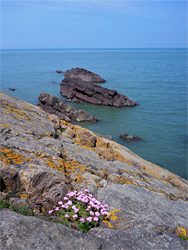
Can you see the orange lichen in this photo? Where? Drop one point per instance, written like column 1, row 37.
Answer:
column 8, row 156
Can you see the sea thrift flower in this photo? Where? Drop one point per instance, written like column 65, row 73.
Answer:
column 65, row 199
column 69, row 203
column 66, row 216
column 91, row 213
column 50, row 212
column 95, row 218
column 89, row 219
column 57, row 208
column 87, row 191
column 60, row 203
column 97, row 213
column 73, row 207
column 75, row 216
column 76, row 210
column 82, row 220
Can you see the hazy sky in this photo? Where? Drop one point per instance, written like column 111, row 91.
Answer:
column 93, row 24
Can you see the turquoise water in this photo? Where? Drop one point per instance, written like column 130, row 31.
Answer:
column 154, row 78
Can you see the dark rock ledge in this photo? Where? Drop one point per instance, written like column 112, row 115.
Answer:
column 75, row 87
column 53, row 105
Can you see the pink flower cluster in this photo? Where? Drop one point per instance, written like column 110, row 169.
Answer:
column 74, row 201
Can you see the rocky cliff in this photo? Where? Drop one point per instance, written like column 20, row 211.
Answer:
column 41, row 161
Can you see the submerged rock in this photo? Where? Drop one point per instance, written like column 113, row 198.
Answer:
column 84, row 74
column 129, row 138
column 53, row 105
column 73, row 87
column 59, row 71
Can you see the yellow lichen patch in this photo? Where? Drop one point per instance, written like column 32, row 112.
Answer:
column 10, row 157
column 4, row 125
column 113, row 218
column 23, row 195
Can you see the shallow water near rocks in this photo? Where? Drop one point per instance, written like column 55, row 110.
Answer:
column 154, row 78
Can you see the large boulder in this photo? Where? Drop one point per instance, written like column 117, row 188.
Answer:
column 84, row 74
column 53, row 105
column 73, row 87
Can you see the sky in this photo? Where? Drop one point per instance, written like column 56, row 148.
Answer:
column 93, row 24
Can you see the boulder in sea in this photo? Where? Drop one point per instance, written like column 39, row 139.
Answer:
column 12, row 89
column 129, row 138
column 59, row 71
column 74, row 87
column 84, row 74
column 53, row 105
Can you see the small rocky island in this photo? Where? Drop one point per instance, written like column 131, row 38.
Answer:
column 80, row 86
column 147, row 204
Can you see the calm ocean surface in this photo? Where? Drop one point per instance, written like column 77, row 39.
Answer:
column 154, row 78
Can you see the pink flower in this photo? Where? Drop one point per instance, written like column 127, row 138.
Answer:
column 57, row 208
column 75, row 216
column 63, row 206
column 91, row 213
column 82, row 220
column 66, row 216
column 65, row 199
column 50, row 212
column 105, row 205
column 4, row 201
column 76, row 210
column 89, row 219
column 69, row 203
column 73, row 207
column 95, row 218
column 87, row 191
column 97, row 213
column 60, row 203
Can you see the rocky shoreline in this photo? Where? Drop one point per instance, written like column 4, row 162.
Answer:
column 44, row 157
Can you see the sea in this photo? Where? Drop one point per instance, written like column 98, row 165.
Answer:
column 154, row 78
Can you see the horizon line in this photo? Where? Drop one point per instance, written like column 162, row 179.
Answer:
column 94, row 48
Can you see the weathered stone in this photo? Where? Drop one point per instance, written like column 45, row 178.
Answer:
column 129, row 138
column 20, row 232
column 84, row 74
column 53, row 105
column 72, row 87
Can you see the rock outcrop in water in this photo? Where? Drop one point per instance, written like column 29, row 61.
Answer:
column 53, row 105
column 129, row 138
column 84, row 75
column 73, row 87
column 146, row 203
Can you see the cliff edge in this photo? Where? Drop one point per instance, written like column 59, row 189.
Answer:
column 43, row 157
